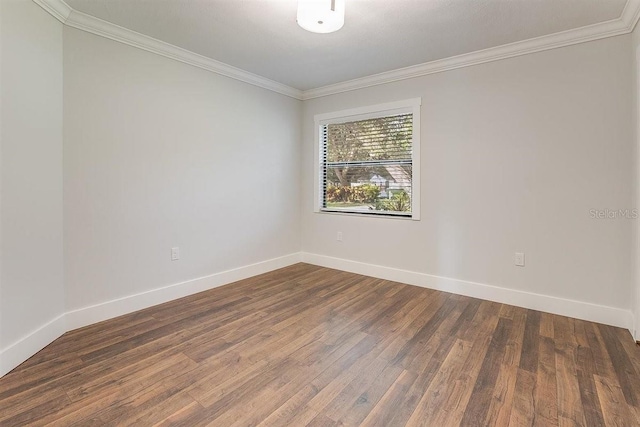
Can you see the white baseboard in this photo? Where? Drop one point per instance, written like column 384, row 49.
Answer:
column 26, row 347
column 565, row 307
column 117, row 307
column 32, row 343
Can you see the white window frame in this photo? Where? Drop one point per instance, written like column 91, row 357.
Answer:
column 363, row 113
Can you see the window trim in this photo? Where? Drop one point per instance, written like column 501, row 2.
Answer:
column 362, row 113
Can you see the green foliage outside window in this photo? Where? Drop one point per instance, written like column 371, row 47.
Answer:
column 367, row 193
column 399, row 202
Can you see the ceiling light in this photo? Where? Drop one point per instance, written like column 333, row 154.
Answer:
column 321, row 16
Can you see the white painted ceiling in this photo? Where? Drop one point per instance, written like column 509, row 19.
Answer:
column 262, row 37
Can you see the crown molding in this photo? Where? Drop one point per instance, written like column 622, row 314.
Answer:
column 631, row 14
column 82, row 21
column 73, row 18
column 623, row 25
column 57, row 8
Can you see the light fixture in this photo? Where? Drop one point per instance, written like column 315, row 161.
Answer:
column 321, row 16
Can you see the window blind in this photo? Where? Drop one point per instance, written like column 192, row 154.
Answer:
column 367, row 165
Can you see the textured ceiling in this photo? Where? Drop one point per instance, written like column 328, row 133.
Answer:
column 261, row 36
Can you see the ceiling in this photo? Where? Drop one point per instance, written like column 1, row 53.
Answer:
column 262, row 37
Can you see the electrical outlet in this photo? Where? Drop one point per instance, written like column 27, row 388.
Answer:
column 175, row 254
column 519, row 258
column 339, row 236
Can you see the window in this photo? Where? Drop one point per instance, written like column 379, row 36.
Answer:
column 368, row 160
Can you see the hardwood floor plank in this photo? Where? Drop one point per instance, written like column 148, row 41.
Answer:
column 397, row 350
column 356, row 400
column 179, row 417
column 502, row 398
column 292, row 407
column 614, row 408
column 415, row 347
column 481, row 396
column 625, row 371
column 120, row 392
column 310, row 360
column 341, row 356
column 546, row 325
column 25, row 417
column 524, row 409
column 384, row 411
column 628, row 343
column 499, row 411
column 588, row 391
column 21, row 382
column 436, row 393
column 529, row 358
column 546, row 396
column 570, row 409
column 306, row 417
column 330, row 390
column 322, row 420
column 30, row 402
column 149, row 407
column 431, row 363
column 456, row 401
column 603, row 364
column 161, row 364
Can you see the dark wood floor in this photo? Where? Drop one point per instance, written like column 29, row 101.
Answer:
column 307, row 345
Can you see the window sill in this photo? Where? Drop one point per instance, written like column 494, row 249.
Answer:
column 368, row 215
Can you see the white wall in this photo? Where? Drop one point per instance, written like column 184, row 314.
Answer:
column 515, row 153
column 31, row 248
column 158, row 154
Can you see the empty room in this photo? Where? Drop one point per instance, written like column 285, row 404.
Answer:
column 319, row 213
